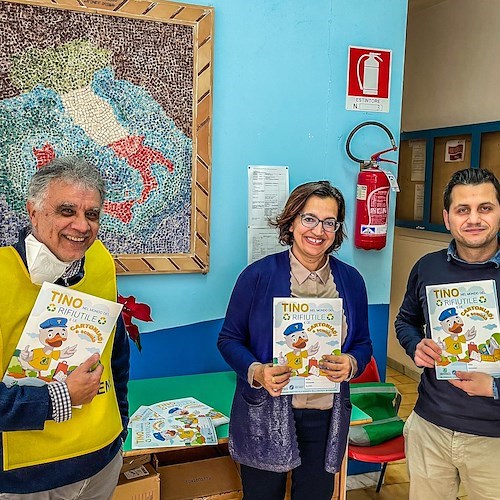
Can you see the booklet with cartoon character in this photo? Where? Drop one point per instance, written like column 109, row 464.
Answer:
column 305, row 329
column 465, row 323
column 65, row 327
column 142, row 414
column 183, row 409
column 169, row 431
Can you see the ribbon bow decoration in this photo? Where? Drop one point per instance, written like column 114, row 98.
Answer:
column 134, row 310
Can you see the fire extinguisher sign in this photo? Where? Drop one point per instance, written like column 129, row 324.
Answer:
column 368, row 79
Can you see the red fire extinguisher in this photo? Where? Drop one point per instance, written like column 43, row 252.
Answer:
column 372, row 196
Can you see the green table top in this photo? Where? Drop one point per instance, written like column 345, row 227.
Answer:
column 213, row 389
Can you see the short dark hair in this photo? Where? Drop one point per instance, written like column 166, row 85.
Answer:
column 296, row 202
column 70, row 169
column 469, row 176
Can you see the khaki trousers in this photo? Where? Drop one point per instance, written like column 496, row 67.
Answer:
column 439, row 459
column 98, row 487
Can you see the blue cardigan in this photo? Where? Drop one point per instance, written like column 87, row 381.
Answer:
column 261, row 431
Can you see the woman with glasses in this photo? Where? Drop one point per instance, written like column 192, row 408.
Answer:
column 270, row 434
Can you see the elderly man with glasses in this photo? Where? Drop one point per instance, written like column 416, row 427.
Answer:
column 62, row 439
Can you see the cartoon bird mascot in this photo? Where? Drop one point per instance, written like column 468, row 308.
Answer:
column 296, row 339
column 52, row 334
column 452, row 324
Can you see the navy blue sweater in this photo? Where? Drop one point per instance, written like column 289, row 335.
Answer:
column 29, row 407
column 438, row 401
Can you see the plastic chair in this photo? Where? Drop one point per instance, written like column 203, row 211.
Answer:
column 370, row 373
column 391, row 450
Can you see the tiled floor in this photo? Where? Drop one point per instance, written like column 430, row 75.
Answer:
column 396, row 483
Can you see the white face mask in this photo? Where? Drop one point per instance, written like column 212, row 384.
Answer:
column 43, row 265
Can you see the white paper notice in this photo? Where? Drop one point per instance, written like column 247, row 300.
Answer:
column 417, row 161
column 264, row 241
column 268, row 189
column 418, row 204
column 267, row 193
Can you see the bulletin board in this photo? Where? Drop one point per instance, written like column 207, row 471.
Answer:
column 490, row 152
column 442, row 171
column 127, row 85
column 428, row 158
column 405, row 201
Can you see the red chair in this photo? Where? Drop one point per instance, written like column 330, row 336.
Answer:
column 391, row 450
column 370, row 373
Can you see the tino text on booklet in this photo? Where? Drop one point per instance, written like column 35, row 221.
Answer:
column 464, row 322
column 65, row 327
column 305, row 329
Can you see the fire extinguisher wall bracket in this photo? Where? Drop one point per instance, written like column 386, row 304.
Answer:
column 372, row 195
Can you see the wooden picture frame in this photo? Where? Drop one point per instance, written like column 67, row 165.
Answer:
column 146, row 25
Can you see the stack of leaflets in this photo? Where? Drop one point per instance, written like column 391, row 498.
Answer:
column 169, row 431
column 305, row 329
column 465, row 323
column 65, row 327
column 177, row 422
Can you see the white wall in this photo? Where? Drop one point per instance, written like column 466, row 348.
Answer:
column 452, row 73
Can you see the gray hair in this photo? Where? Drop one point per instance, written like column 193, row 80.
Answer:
column 70, row 169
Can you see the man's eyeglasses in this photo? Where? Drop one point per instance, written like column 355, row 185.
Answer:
column 329, row 225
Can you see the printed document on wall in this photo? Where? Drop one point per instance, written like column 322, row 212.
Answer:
column 268, row 188
column 418, row 151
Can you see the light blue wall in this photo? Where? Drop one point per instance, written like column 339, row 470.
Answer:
column 279, row 99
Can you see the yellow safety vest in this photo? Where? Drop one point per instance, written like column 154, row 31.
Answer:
column 94, row 425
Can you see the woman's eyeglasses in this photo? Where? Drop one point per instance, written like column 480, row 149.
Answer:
column 329, row 225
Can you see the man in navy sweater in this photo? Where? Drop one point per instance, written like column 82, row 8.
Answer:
column 453, row 435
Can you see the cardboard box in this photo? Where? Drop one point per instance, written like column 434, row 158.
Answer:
column 142, row 483
column 188, row 454
column 134, row 462
column 213, row 478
